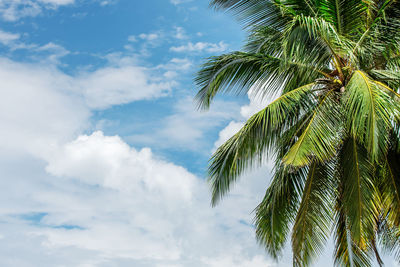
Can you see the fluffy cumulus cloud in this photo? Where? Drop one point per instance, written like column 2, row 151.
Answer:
column 92, row 200
column 43, row 103
column 111, row 163
column 104, row 203
column 226, row 133
column 38, row 107
column 121, row 84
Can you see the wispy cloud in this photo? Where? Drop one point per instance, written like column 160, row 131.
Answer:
column 200, row 47
column 178, row 2
column 16, row 9
column 6, row 37
column 180, row 33
column 186, row 128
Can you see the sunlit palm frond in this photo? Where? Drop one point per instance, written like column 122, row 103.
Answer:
column 370, row 110
column 336, row 65
column 321, row 136
column 249, row 145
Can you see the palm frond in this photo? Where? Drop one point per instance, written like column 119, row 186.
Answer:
column 356, row 174
column 321, row 135
column 345, row 15
column 370, row 113
column 391, row 176
column 347, row 253
column 278, row 209
column 238, row 72
column 249, row 145
column 314, row 218
column 256, row 13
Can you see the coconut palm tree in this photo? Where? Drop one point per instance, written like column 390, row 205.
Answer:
column 333, row 130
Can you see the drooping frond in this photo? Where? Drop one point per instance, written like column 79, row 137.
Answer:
column 277, row 211
column 239, row 72
column 356, row 181
column 264, row 40
column 369, row 110
column 347, row 253
column 236, row 72
column 249, row 145
column 314, row 218
column 390, row 77
column 391, row 176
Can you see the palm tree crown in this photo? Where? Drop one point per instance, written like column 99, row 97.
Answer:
column 334, row 130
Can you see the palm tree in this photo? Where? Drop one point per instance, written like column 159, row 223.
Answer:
column 334, row 130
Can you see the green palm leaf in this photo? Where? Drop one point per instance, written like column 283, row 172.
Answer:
column 347, row 253
column 356, row 174
column 320, row 137
column 238, row 72
column 251, row 142
column 391, row 177
column 370, row 110
column 278, row 209
column 336, row 65
column 314, row 218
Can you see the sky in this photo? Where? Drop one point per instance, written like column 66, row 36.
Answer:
column 103, row 154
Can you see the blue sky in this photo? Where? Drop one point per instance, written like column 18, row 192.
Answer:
column 102, row 151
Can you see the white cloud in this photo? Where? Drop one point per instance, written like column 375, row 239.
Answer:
column 178, row 2
column 122, row 84
column 49, row 53
column 177, row 64
column 200, row 47
column 186, row 127
column 113, row 205
column 232, row 128
column 108, row 2
column 109, row 162
column 230, row 261
column 156, row 211
column 175, row 67
column 57, row 2
column 132, row 38
column 149, row 36
column 38, row 107
column 180, row 33
column 7, row 37
column 13, row 10
column 146, row 41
